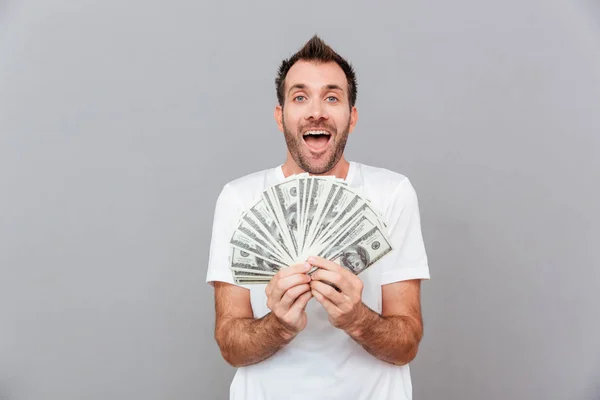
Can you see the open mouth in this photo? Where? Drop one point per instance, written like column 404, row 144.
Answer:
column 316, row 140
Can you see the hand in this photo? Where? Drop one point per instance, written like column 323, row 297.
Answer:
column 288, row 293
column 345, row 307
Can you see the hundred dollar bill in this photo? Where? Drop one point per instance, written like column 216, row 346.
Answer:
column 243, row 242
column 305, row 196
column 364, row 251
column 347, row 218
column 286, row 198
column 357, row 229
column 326, row 198
column 259, row 229
column 336, row 219
column 250, row 227
column 250, row 276
column 301, row 190
column 343, row 202
column 242, row 270
column 267, row 220
column 261, row 273
column 246, row 281
column 317, row 187
column 272, row 204
column 359, row 191
column 243, row 261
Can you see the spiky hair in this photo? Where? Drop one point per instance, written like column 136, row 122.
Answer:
column 316, row 50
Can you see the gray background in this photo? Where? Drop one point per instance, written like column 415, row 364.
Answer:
column 120, row 122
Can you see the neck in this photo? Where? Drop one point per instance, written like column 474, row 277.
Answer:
column 340, row 169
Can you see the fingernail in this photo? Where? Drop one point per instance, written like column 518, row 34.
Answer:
column 312, row 259
column 306, row 266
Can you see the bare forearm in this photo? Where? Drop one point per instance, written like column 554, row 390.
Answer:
column 394, row 339
column 246, row 341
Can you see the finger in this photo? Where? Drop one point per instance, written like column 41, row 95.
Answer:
column 326, row 264
column 327, row 305
column 290, row 296
column 282, row 273
column 283, row 284
column 270, row 285
column 331, row 277
column 328, row 292
column 293, row 269
column 300, row 303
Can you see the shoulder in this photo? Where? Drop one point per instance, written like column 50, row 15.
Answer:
column 383, row 179
column 389, row 191
column 246, row 187
column 250, row 181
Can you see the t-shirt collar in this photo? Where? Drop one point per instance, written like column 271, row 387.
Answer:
column 349, row 177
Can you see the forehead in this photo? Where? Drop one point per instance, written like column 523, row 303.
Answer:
column 316, row 75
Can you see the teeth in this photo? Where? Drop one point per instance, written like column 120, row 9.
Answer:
column 315, row 133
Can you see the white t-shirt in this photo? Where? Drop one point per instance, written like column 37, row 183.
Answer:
column 323, row 362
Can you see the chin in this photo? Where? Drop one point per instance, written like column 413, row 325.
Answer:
column 318, row 169
column 315, row 164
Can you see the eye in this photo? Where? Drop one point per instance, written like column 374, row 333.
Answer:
column 299, row 98
column 332, row 99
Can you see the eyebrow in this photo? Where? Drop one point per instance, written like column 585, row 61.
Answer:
column 303, row 86
column 335, row 87
column 297, row 86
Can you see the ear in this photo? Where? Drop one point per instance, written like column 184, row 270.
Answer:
column 353, row 119
column 279, row 117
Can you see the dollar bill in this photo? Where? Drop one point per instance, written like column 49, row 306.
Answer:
column 249, row 281
column 347, row 236
column 244, row 242
column 327, row 196
column 286, row 198
column 302, row 216
column 250, row 227
column 364, row 251
column 316, row 189
column 272, row 204
column 344, row 201
column 268, row 221
column 301, row 192
column 347, row 218
column 240, row 277
column 243, row 261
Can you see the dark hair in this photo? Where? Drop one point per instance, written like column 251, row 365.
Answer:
column 316, row 50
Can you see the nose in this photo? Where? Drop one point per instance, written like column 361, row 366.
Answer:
column 317, row 110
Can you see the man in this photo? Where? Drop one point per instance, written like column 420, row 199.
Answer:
column 298, row 337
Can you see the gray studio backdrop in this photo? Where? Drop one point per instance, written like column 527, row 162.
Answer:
column 120, row 122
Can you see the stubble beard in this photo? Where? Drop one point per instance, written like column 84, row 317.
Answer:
column 294, row 143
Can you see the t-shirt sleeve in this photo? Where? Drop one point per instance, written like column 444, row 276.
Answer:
column 408, row 259
column 227, row 212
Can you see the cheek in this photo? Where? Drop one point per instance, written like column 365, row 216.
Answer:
column 291, row 117
column 341, row 117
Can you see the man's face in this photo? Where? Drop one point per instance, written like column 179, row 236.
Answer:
column 316, row 117
column 354, row 262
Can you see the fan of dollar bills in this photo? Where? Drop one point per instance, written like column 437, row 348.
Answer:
column 303, row 216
